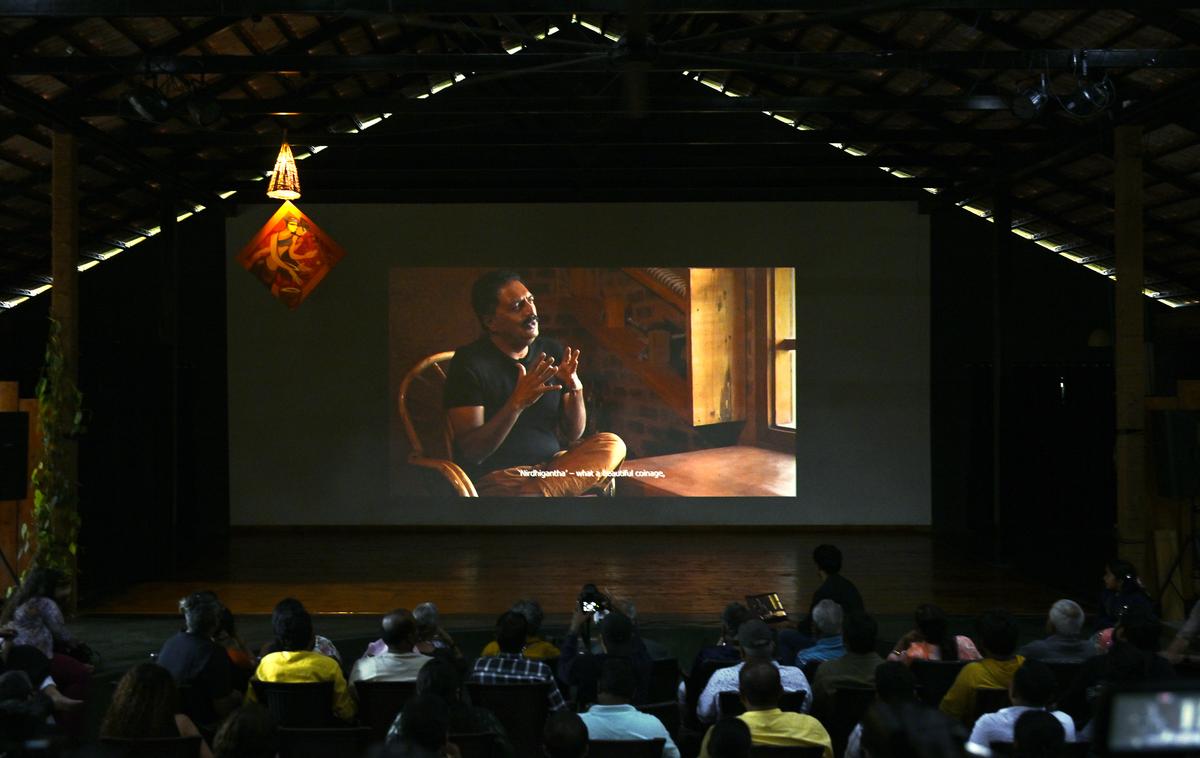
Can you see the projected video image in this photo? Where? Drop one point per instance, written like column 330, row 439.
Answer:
column 630, row 382
column 1155, row 721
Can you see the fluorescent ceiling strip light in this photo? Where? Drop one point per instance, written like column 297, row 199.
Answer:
column 89, row 264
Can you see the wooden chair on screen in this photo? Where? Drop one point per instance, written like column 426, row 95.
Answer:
column 428, row 429
column 425, row 422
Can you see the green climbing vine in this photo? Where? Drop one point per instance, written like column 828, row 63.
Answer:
column 55, row 491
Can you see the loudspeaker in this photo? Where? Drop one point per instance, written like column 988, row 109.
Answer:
column 1177, row 453
column 14, row 455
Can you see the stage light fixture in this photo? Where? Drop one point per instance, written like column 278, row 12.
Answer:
column 285, row 179
column 1029, row 102
column 1090, row 98
column 148, row 104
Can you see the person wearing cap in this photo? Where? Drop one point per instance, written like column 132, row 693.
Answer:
column 759, row 688
column 580, row 668
column 758, row 645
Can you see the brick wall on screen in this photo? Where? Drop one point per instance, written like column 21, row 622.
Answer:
column 617, row 398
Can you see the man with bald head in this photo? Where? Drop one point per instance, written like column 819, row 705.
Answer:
column 399, row 663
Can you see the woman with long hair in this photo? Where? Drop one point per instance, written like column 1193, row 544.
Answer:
column 931, row 640
column 1122, row 591
column 145, row 706
column 34, row 614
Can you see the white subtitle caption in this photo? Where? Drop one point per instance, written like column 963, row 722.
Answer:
column 553, row 473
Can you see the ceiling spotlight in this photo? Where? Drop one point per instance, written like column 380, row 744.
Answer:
column 148, row 104
column 1029, row 102
column 1090, row 98
column 203, row 110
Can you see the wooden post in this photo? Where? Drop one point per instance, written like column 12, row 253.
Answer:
column 64, row 262
column 1001, row 359
column 1129, row 349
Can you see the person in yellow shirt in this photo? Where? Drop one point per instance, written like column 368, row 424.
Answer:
column 760, row 689
column 536, row 648
column 295, row 660
column 997, row 633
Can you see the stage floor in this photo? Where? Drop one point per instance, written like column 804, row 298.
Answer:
column 682, row 576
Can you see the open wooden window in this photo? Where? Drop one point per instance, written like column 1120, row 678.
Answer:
column 781, row 383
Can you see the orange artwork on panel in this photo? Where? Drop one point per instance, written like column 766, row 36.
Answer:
column 290, row 255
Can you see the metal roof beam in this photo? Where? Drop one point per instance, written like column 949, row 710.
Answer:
column 144, row 8
column 875, row 60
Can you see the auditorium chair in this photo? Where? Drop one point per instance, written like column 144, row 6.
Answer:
column 849, row 705
column 794, row 751
column 323, row 742
column 934, row 678
column 521, row 708
column 379, row 702
column 626, row 748
column 730, row 703
column 695, row 686
column 667, row 712
column 157, row 747
column 990, row 700
column 304, row 704
column 664, row 680
column 1069, row 749
column 475, row 744
column 430, row 436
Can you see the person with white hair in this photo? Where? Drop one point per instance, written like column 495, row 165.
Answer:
column 431, row 637
column 827, row 623
column 1065, row 643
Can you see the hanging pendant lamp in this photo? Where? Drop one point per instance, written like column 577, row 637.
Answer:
column 285, row 180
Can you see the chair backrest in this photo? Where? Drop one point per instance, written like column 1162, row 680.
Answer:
column 476, row 744
column 667, row 712
column 796, row 751
column 159, row 747
column 990, row 700
column 341, row 741
column 934, row 678
column 380, row 702
column 1064, row 675
column 730, row 703
column 293, row 704
column 1069, row 749
column 696, row 685
column 849, row 705
column 664, row 680
column 626, row 748
column 424, row 418
column 521, row 708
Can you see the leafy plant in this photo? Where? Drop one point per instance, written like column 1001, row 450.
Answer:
column 55, row 491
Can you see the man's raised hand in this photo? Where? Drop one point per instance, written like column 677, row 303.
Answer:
column 531, row 385
column 569, row 368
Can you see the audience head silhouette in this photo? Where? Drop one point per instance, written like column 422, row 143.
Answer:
column 248, row 732
column 399, row 631
column 143, row 705
column 564, row 736
column 292, row 625
column 1033, row 685
column 1038, row 734
column 760, row 686
column 617, row 682
column 828, row 559
column 729, row 738
column 756, row 640
column 860, row 632
column 998, row 633
column 511, row 632
column 201, row 613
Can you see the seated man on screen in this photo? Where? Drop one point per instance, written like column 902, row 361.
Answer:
column 514, row 398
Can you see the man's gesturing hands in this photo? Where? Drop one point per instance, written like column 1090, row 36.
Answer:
column 531, row 385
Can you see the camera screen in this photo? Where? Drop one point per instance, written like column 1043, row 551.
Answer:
column 1154, row 721
column 589, row 606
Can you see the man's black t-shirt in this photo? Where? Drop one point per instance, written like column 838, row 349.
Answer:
column 481, row 374
column 202, row 664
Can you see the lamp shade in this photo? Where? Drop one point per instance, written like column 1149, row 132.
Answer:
column 285, row 180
